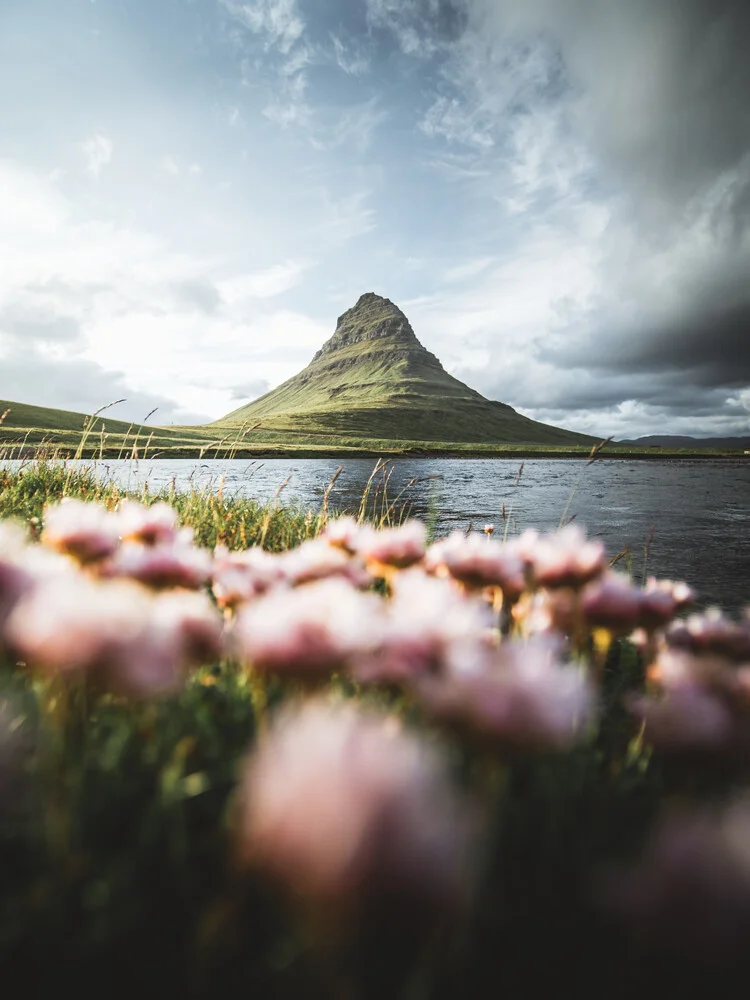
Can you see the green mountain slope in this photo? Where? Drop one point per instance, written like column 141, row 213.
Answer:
column 374, row 380
column 23, row 424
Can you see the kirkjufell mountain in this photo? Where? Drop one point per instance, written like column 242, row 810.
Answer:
column 373, row 379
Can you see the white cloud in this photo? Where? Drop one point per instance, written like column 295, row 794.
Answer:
column 279, row 21
column 263, row 284
column 98, row 153
column 345, row 218
column 470, row 269
column 451, row 119
column 350, row 56
column 169, row 165
column 91, row 311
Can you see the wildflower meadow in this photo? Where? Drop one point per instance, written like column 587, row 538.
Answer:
column 248, row 750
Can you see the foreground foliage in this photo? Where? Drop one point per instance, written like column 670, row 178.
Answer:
column 251, row 751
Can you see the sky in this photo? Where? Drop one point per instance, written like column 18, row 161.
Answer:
column 555, row 192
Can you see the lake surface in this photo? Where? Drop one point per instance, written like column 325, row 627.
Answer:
column 697, row 513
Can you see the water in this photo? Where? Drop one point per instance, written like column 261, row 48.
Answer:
column 697, row 513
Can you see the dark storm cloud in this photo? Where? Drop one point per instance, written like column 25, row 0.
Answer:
column 662, row 101
column 713, row 348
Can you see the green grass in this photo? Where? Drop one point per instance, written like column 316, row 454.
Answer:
column 234, row 521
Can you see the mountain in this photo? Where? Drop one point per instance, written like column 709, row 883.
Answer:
column 682, row 441
column 373, row 379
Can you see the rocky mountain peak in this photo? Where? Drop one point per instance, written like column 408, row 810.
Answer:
column 372, row 318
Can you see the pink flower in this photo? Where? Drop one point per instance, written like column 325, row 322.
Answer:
column 86, row 531
column 343, row 808
column 316, row 560
column 172, row 564
column 242, row 576
column 661, row 600
column 394, row 548
column 478, row 562
column 132, row 642
column 307, row 632
column 343, row 533
column 151, row 525
column 73, row 624
column 612, row 602
column 687, row 717
column 712, row 632
column 192, row 622
column 565, row 559
column 427, row 625
column 524, row 700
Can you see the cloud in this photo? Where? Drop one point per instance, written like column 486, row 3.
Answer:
column 350, row 56
column 615, row 141
column 97, row 151
column 247, row 391
column 421, row 27
column 279, row 21
column 263, row 284
column 91, row 311
column 448, row 118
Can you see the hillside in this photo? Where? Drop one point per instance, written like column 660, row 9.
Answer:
column 374, row 380
column 26, row 425
column 694, row 443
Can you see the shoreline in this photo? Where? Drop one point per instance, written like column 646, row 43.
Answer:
column 246, row 454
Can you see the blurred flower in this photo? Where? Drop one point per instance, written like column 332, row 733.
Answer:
column 86, row 531
column 661, row 600
column 15, row 580
column 564, row 559
column 392, row 548
column 151, row 525
column 525, row 700
column 478, row 562
column 427, row 625
column 344, row 809
column 316, row 560
column 686, row 717
column 544, row 612
column 688, row 897
column 307, row 632
column 177, row 563
column 115, row 630
column 343, row 533
column 489, row 529
column 241, row 576
column 192, row 622
column 712, row 632
column 72, row 623
column 612, row 602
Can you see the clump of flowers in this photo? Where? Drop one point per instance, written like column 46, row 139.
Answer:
column 344, row 809
column 86, row 531
column 522, row 697
column 307, row 633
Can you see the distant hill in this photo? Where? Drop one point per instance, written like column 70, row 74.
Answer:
column 681, row 441
column 24, row 415
column 24, row 426
column 373, row 379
